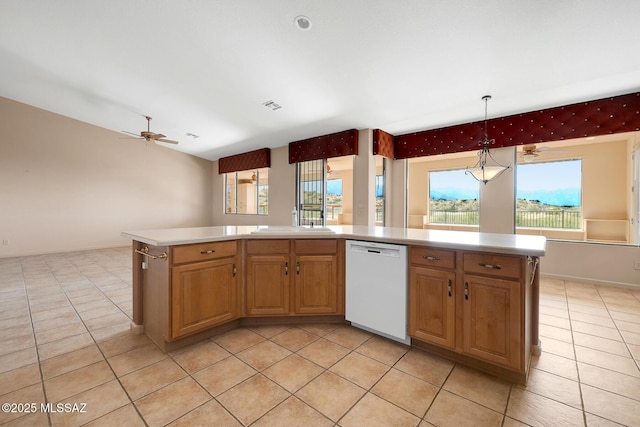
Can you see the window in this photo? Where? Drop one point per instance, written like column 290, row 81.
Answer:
column 247, row 192
column 324, row 191
column 334, row 198
column 548, row 195
column 380, row 190
column 453, row 198
column 311, row 192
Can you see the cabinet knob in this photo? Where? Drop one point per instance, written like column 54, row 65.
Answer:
column 431, row 257
column 235, row 270
column 449, row 287
column 298, row 267
column 286, row 268
column 210, row 251
column 466, row 290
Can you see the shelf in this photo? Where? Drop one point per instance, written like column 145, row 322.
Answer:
column 606, row 230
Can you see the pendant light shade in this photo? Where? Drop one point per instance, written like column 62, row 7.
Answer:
column 484, row 171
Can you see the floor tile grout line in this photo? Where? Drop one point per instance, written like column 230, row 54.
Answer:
column 104, row 358
column 44, row 390
column 575, row 355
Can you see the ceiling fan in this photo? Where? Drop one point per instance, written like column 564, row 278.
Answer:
column 530, row 152
column 149, row 136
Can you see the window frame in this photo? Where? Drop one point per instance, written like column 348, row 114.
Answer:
column 233, row 189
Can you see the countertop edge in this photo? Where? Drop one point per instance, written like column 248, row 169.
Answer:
column 222, row 233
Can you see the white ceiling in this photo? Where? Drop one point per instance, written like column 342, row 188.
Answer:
column 206, row 67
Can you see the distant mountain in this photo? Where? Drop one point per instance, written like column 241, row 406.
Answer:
column 454, row 194
column 560, row 197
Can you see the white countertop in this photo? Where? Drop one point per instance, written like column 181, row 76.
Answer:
column 465, row 240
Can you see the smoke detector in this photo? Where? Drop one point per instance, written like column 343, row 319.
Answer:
column 302, row 22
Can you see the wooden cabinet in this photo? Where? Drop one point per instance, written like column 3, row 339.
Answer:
column 492, row 327
column 473, row 304
column 204, row 287
column 317, row 279
column 294, row 277
column 268, row 274
column 432, row 306
column 432, row 282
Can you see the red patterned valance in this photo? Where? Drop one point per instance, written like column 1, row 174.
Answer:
column 241, row 162
column 600, row 117
column 383, row 144
column 323, row 147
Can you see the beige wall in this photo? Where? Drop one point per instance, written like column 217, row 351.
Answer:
column 67, row 185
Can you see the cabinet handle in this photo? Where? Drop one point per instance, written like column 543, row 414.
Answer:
column 298, row 267
column 235, row 270
column 494, row 267
column 210, row 251
column 431, row 258
column 286, row 268
column 449, row 287
column 466, row 290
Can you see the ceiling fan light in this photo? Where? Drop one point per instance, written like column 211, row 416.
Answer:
column 528, row 158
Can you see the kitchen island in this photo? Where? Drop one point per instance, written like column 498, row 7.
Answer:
column 473, row 297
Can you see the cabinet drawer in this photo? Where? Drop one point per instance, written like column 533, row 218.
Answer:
column 493, row 265
column 203, row 251
column 316, row 246
column 276, row 246
column 432, row 257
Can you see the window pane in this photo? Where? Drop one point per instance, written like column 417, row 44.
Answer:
column 263, row 191
column 230, row 190
column 380, row 172
column 247, row 192
column 549, row 195
column 334, row 198
column 453, row 198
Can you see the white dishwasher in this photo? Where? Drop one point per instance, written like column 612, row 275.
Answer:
column 376, row 288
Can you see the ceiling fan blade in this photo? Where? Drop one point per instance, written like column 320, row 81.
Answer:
column 551, row 150
column 168, row 141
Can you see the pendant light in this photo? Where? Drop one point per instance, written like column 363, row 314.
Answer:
column 483, row 171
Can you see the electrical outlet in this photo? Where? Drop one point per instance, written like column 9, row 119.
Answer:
column 5, row 242
column 637, row 265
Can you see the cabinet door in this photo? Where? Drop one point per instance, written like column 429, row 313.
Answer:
column 268, row 284
column 432, row 306
column 203, row 295
column 492, row 324
column 316, row 284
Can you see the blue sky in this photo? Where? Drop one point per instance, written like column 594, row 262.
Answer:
column 453, row 179
column 533, row 176
column 549, row 175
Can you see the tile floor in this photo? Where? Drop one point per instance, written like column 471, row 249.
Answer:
column 64, row 338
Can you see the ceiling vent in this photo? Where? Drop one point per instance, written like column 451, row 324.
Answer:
column 272, row 105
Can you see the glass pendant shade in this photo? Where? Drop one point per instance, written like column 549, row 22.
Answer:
column 486, row 173
column 482, row 171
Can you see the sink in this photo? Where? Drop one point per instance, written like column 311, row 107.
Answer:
column 290, row 229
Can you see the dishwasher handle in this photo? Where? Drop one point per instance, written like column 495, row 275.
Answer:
column 376, row 251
